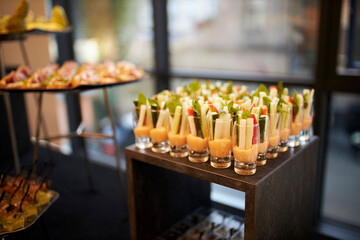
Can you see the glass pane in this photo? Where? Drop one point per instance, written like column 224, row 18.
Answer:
column 258, row 36
column 349, row 49
column 342, row 173
column 123, row 32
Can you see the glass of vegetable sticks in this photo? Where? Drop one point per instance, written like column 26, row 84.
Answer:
column 274, row 136
column 142, row 126
column 220, row 141
column 308, row 115
column 178, row 131
column 197, row 139
column 245, row 144
column 297, row 120
column 159, row 134
column 285, row 127
column 263, row 140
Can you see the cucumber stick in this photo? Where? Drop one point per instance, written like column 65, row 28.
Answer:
column 176, row 121
column 142, row 115
column 213, row 117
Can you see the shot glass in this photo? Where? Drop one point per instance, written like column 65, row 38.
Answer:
column 245, row 146
column 285, row 130
column 220, row 142
column 307, row 123
column 177, row 135
column 141, row 127
column 274, row 138
column 263, row 140
column 198, row 144
column 296, row 126
column 159, row 134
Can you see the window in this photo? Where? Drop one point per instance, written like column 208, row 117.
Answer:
column 123, row 32
column 258, row 37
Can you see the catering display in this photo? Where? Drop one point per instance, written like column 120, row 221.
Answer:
column 71, row 75
column 23, row 200
column 23, row 20
column 222, row 122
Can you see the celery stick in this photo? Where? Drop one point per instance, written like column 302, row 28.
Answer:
column 149, row 120
column 142, row 115
column 183, row 120
column 176, row 121
column 276, row 101
column 273, row 92
column 261, row 95
column 272, row 119
column 218, row 128
column 161, row 119
column 256, row 111
column 286, row 99
column 256, row 101
column 192, row 125
column 249, row 133
column 204, row 126
column 237, row 128
column 226, row 124
column 247, row 104
column 301, row 101
column 286, row 92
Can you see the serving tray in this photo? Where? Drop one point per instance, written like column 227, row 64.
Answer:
column 31, row 220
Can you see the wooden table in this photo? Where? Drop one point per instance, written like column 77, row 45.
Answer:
column 279, row 197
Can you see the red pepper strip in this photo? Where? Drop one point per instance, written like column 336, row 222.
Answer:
column 264, row 111
column 291, row 99
column 213, row 108
column 243, row 109
column 214, row 92
column 254, row 139
column 252, row 107
column 271, row 87
column 209, row 102
column 190, row 112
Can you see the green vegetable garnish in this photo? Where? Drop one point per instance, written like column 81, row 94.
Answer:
column 266, row 102
column 280, row 88
column 295, row 103
column 141, row 99
column 245, row 114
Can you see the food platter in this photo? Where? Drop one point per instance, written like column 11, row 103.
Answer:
column 70, row 89
column 31, row 220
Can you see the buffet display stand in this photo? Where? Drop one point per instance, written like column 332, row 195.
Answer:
column 279, row 197
column 76, row 90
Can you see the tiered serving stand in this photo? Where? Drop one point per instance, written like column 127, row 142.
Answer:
column 20, row 37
